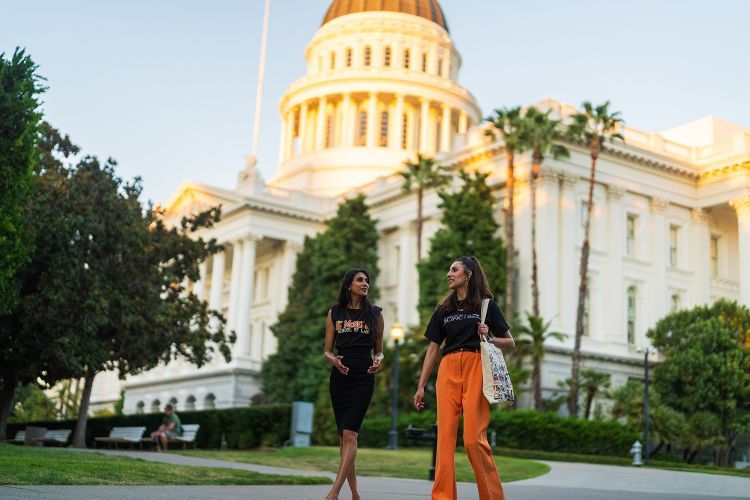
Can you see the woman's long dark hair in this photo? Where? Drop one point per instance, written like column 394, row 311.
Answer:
column 478, row 289
column 345, row 297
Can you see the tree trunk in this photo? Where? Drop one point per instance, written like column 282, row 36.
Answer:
column 656, row 450
column 79, row 436
column 6, row 404
column 536, row 382
column 510, row 253
column 692, row 455
column 534, row 274
column 576, row 369
column 420, row 194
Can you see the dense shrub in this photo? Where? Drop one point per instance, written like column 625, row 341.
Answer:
column 242, row 427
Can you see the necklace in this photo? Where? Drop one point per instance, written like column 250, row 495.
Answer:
column 356, row 317
column 460, row 305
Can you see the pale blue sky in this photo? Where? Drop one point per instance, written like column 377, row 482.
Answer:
column 168, row 87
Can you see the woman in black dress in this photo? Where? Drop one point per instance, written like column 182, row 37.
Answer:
column 356, row 328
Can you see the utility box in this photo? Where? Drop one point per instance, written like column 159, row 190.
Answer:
column 302, row 424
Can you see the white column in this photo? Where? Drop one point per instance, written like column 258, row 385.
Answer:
column 445, row 132
column 742, row 207
column 286, row 272
column 569, row 255
column 700, row 247
column 234, row 284
column 547, row 241
column 424, row 117
column 398, row 122
column 372, row 121
column 615, row 319
column 346, row 127
column 659, row 232
column 217, row 282
column 303, row 128
column 242, row 346
column 200, row 286
column 320, row 132
column 463, row 122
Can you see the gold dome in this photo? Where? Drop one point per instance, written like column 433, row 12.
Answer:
column 428, row 9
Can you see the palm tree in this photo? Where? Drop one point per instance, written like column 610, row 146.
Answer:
column 593, row 382
column 507, row 123
column 531, row 341
column 541, row 136
column 424, row 173
column 593, row 127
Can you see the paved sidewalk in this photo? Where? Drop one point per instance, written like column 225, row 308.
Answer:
column 565, row 481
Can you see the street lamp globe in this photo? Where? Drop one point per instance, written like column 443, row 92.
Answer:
column 397, row 332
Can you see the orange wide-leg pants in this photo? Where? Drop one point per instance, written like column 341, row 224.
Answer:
column 459, row 389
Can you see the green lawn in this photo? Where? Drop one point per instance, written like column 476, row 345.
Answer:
column 27, row 465
column 412, row 463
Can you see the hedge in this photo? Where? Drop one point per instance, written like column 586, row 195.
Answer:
column 247, row 427
column 521, row 429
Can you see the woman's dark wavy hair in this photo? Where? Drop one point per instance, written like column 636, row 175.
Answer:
column 479, row 288
column 368, row 310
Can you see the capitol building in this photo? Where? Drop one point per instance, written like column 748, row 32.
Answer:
column 670, row 227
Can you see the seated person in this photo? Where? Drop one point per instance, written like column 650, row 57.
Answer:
column 170, row 427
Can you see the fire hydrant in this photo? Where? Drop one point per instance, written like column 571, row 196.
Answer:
column 636, row 451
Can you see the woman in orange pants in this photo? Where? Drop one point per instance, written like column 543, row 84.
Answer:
column 456, row 322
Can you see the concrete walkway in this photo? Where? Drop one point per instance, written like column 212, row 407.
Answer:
column 565, row 481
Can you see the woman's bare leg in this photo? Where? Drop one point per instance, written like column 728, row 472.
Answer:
column 346, row 465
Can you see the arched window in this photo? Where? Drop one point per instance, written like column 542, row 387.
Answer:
column 155, row 406
column 383, row 129
column 329, row 131
column 368, row 56
column 631, row 315
column 407, row 58
column 139, row 408
column 424, row 62
column 173, row 402
column 405, row 132
column 675, row 302
column 440, row 67
column 349, row 57
column 333, row 60
column 190, row 403
column 387, row 57
column 209, row 402
column 362, row 129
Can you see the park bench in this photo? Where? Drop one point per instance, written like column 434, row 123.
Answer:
column 189, row 433
column 418, row 434
column 122, row 435
column 57, row 437
column 19, row 439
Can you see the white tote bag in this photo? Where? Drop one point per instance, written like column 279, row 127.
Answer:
column 496, row 383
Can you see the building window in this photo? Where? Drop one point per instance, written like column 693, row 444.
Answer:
column 349, row 57
column 438, row 135
column 675, row 302
column 407, row 58
column 139, row 408
column 155, row 406
column 424, row 62
column 631, row 315
column 630, row 236
column 673, row 237
column 383, row 129
column 387, row 57
column 209, row 402
column 173, row 402
column 405, row 132
column 368, row 56
column 715, row 255
column 329, row 131
column 584, row 210
column 440, row 67
column 333, row 60
column 190, row 403
column 362, row 129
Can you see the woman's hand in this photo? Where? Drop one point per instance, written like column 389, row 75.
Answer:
column 482, row 330
column 376, row 363
column 337, row 362
column 418, row 396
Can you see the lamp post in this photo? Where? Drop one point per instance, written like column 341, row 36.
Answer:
column 397, row 333
column 646, row 447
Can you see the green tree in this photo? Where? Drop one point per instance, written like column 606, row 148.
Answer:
column 349, row 241
column 469, row 228
column 507, row 124
column 541, row 136
column 33, row 405
column 706, row 365
column 593, row 382
column 20, row 89
column 594, row 127
column 420, row 175
column 532, row 336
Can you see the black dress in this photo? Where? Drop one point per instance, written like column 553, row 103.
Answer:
column 351, row 393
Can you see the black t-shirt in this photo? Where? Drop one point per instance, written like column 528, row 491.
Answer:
column 459, row 328
column 352, row 328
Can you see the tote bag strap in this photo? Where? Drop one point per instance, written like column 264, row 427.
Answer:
column 485, row 304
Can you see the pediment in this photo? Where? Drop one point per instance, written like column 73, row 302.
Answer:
column 192, row 198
